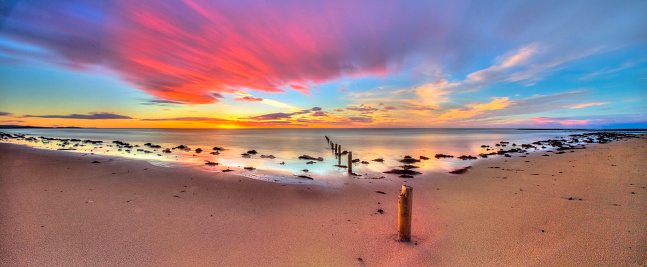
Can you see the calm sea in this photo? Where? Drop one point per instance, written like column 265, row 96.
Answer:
column 286, row 145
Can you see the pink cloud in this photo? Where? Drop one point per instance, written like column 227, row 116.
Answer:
column 248, row 98
column 192, row 51
column 545, row 120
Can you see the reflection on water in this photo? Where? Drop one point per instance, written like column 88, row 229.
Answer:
column 286, row 145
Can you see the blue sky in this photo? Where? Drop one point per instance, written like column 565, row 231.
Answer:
column 206, row 64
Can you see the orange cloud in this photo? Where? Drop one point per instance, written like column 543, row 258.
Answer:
column 472, row 110
column 589, row 104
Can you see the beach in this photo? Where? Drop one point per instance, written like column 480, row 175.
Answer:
column 581, row 208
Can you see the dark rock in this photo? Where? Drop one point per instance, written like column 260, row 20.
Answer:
column 96, row 162
column 438, row 156
column 308, row 157
column 396, row 171
column 407, row 167
column 461, row 171
column 304, row 177
column 409, row 159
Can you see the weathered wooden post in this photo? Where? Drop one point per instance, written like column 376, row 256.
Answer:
column 335, row 152
column 404, row 214
column 339, row 156
column 350, row 161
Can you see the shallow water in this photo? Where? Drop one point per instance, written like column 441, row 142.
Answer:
column 288, row 144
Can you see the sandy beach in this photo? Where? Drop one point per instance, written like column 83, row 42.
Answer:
column 581, row 208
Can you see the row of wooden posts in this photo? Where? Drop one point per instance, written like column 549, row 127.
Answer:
column 405, row 199
column 336, row 150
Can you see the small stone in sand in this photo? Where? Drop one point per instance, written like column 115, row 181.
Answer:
column 96, row 162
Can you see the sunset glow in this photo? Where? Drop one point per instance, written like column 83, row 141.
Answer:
column 241, row 64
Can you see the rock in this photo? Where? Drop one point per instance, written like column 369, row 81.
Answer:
column 438, row 156
column 198, row 150
column 424, row 158
column 268, row 156
column 396, row 171
column 380, row 211
column 406, row 176
column 304, row 176
column 378, row 160
column 409, row 159
column 215, row 153
column 364, row 162
column 470, row 157
column 211, row 163
column 249, row 168
column 252, row 152
column 407, row 167
column 96, row 162
column 305, row 170
column 218, row 148
column 461, row 171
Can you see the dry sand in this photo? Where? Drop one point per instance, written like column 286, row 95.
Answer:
column 586, row 208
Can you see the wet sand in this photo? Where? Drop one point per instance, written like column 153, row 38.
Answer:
column 584, row 208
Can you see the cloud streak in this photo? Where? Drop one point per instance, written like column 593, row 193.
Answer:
column 91, row 116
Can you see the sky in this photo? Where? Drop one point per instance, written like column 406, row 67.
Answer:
column 317, row 64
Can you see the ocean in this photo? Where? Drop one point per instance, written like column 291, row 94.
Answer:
column 286, row 145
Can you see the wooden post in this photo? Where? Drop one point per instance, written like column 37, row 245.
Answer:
column 335, row 150
column 339, row 157
column 404, row 214
column 350, row 161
